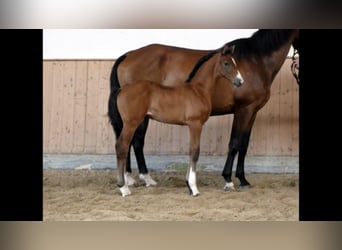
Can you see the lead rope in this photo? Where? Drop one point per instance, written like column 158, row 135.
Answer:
column 293, row 67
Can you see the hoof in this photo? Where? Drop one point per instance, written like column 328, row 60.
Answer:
column 125, row 191
column 129, row 179
column 195, row 195
column 229, row 187
column 148, row 180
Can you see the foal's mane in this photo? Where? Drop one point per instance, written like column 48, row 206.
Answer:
column 262, row 43
column 200, row 62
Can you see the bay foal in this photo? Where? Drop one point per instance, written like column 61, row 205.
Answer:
column 186, row 104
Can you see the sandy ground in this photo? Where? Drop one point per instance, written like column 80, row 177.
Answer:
column 92, row 195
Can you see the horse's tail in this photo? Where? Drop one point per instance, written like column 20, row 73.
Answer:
column 113, row 112
column 114, row 80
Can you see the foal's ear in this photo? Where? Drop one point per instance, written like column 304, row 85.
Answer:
column 228, row 49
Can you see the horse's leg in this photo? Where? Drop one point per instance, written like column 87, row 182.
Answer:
column 240, row 168
column 122, row 149
column 138, row 145
column 195, row 136
column 239, row 139
column 228, row 167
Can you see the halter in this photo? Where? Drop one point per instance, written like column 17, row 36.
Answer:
column 293, row 68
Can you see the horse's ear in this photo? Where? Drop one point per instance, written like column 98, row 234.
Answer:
column 228, row 49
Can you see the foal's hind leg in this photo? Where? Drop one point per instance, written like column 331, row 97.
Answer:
column 117, row 125
column 122, row 149
column 195, row 136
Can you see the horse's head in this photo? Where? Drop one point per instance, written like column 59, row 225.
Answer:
column 228, row 67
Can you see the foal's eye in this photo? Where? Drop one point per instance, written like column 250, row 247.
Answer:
column 225, row 63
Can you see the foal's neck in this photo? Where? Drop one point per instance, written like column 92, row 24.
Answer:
column 205, row 78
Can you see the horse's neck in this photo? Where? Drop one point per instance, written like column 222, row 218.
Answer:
column 275, row 61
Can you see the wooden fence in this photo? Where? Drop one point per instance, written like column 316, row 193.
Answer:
column 75, row 95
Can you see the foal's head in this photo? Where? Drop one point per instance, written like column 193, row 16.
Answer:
column 227, row 66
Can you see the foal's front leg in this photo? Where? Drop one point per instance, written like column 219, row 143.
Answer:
column 195, row 136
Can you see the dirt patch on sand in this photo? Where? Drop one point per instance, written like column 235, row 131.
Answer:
column 92, row 195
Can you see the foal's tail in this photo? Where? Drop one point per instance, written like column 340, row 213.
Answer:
column 113, row 112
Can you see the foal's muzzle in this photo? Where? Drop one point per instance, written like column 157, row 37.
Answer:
column 238, row 80
column 237, row 83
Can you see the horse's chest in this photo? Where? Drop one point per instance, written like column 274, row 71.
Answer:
column 256, row 96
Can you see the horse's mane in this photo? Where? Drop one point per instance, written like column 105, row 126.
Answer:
column 262, row 43
column 200, row 62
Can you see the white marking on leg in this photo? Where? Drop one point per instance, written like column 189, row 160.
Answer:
column 129, row 179
column 125, row 190
column 229, row 186
column 192, row 182
column 148, row 180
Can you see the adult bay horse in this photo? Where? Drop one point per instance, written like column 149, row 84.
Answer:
column 259, row 59
column 184, row 104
